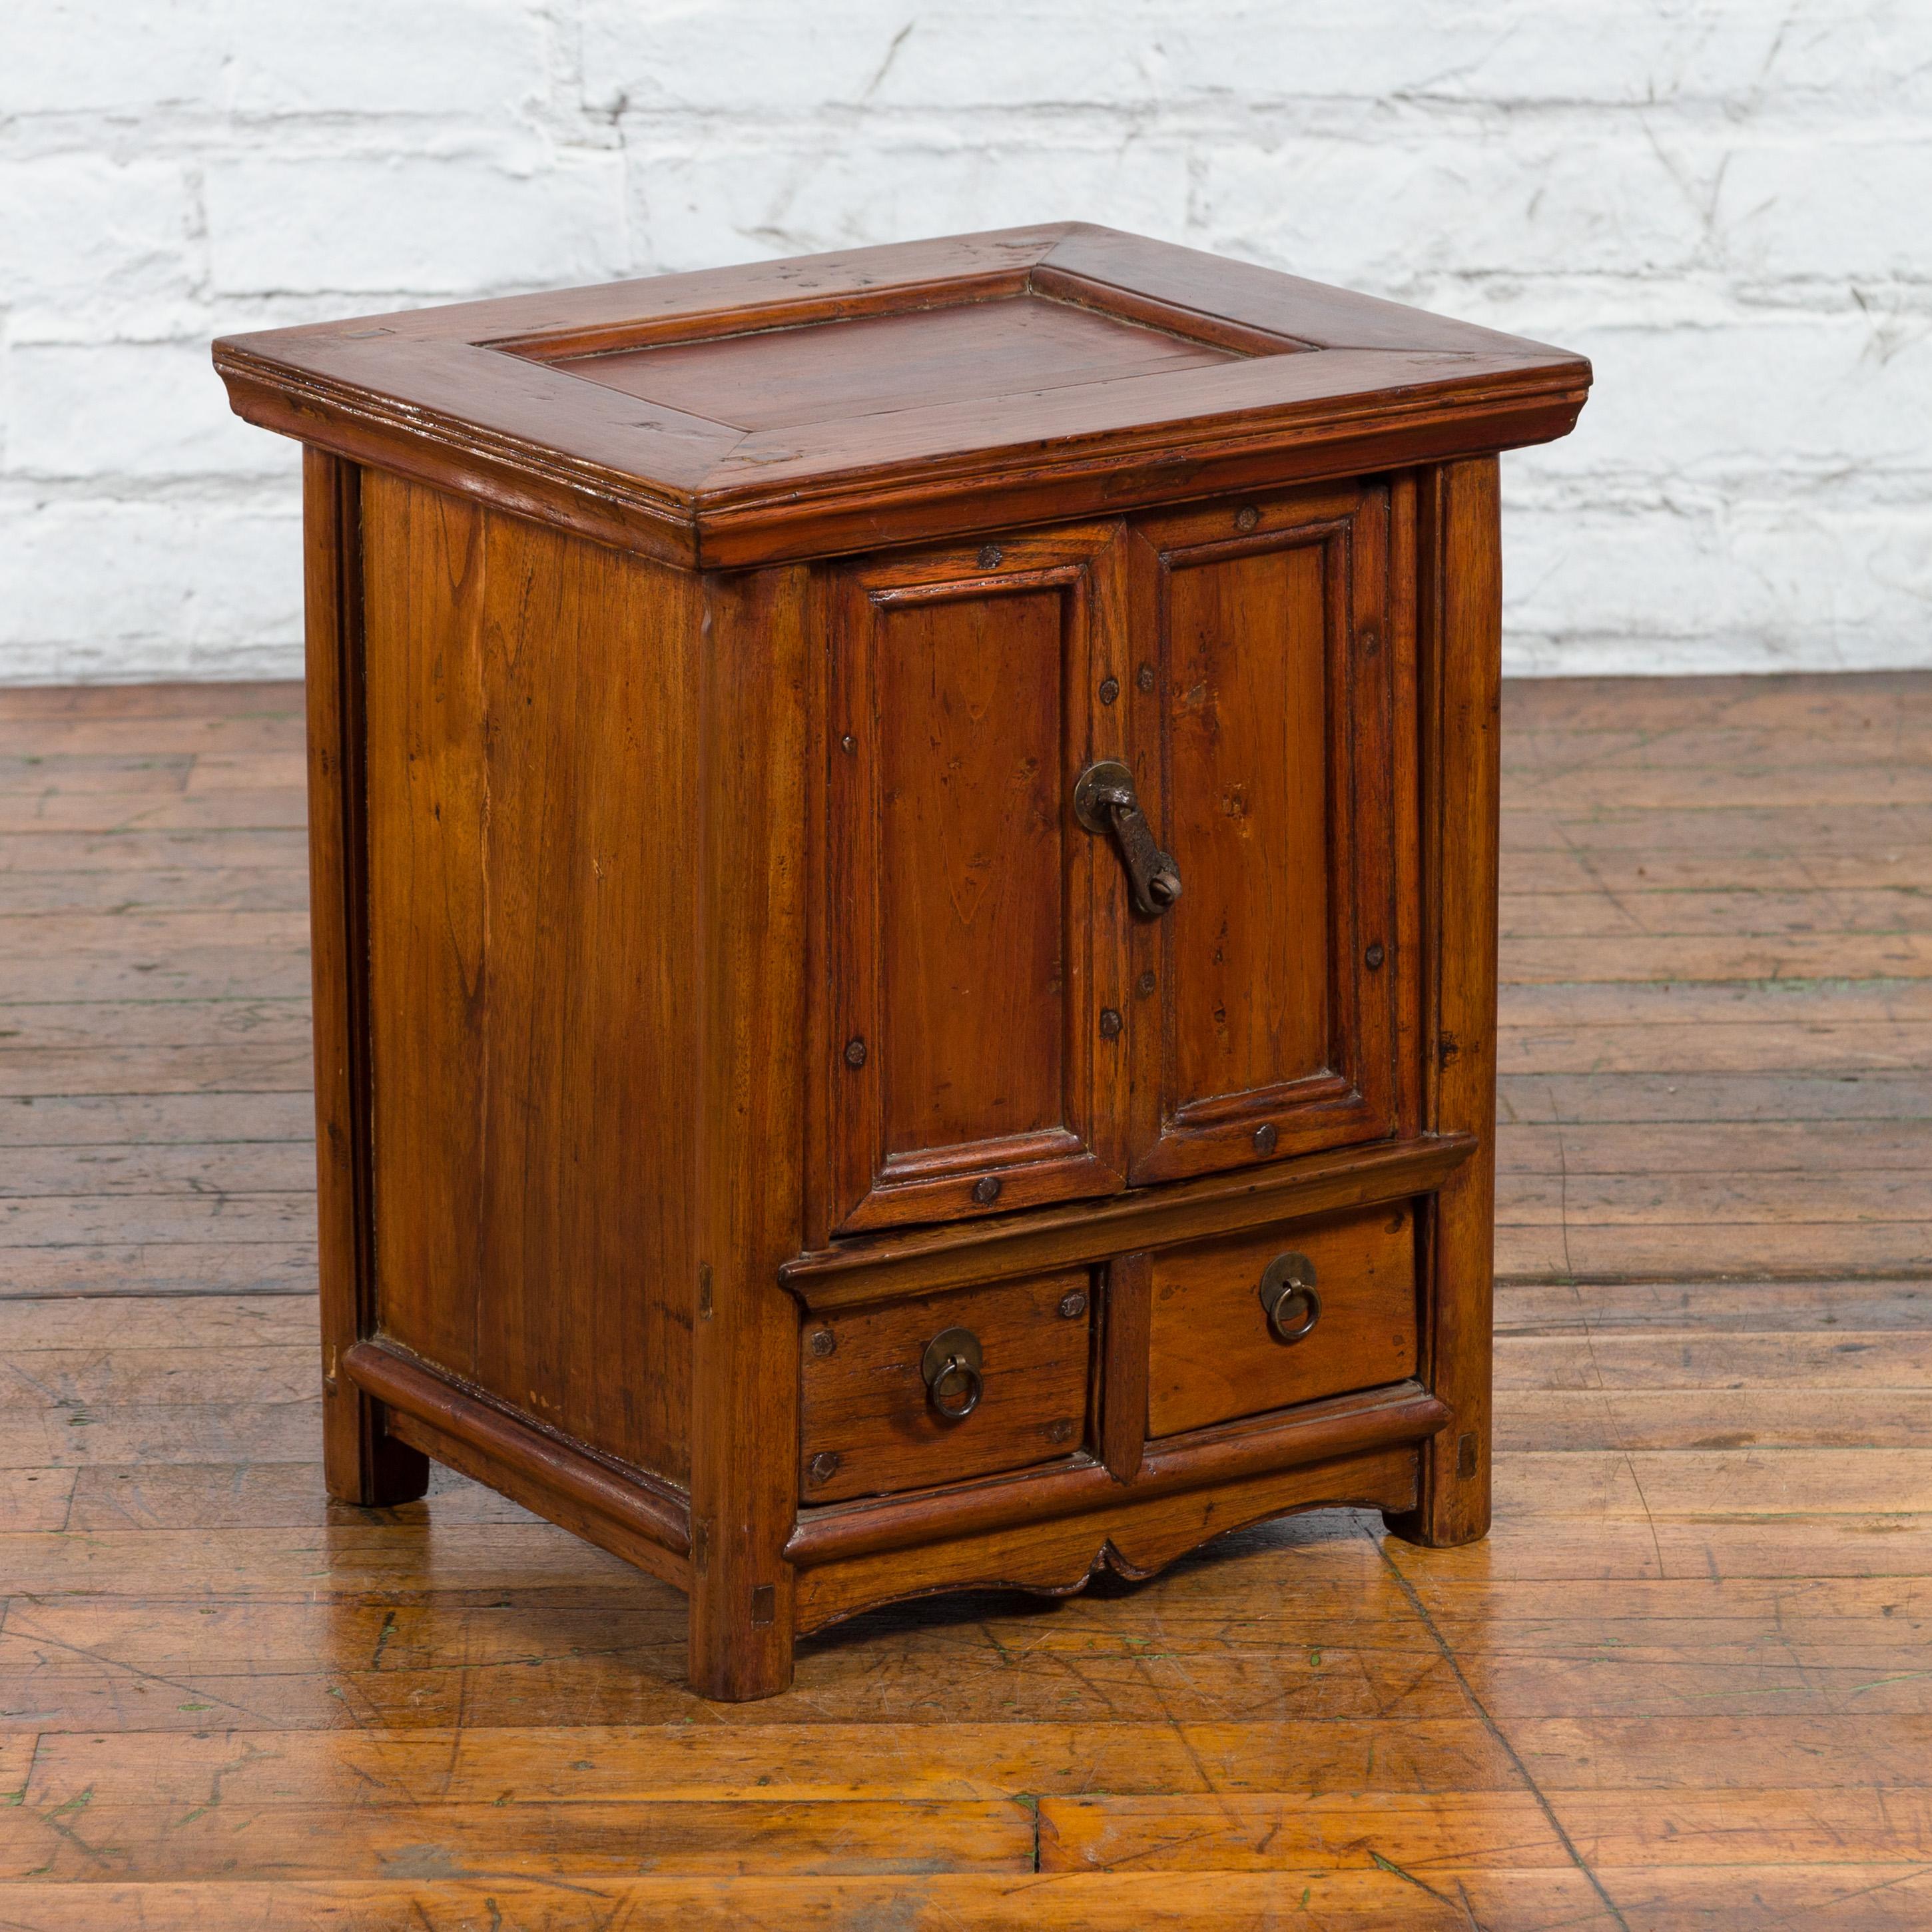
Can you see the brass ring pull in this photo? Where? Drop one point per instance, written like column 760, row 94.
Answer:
column 951, row 1366
column 1104, row 801
column 1288, row 1297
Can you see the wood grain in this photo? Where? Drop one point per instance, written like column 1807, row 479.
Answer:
column 695, row 914
column 1264, row 747
column 1697, row 1632
column 808, row 374
column 364, row 1464
column 865, row 1403
column 748, row 1203
column 1460, row 626
column 584, row 1003
column 772, row 433
column 962, row 901
column 1212, row 1356
column 530, row 696
column 857, row 1272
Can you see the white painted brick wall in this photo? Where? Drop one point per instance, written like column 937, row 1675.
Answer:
column 1726, row 203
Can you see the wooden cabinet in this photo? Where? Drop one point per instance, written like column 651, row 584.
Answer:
column 903, row 857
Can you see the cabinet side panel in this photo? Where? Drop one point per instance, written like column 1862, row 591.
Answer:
column 423, row 704
column 533, row 903
column 589, row 1138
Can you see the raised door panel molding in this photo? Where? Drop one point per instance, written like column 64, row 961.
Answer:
column 1265, row 1025
column 973, row 930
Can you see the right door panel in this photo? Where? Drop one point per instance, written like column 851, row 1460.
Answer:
column 1264, row 1022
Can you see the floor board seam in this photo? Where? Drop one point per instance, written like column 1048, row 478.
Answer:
column 1495, row 1731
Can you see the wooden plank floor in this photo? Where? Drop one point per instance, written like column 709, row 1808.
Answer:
column 1686, row 1683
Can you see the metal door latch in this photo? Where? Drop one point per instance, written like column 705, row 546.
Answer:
column 1104, row 801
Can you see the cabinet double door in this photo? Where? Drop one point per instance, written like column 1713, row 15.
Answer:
column 1110, row 882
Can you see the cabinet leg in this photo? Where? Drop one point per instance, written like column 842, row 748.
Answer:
column 362, row 1463
column 1452, row 1504
column 1461, row 633
column 741, row 1640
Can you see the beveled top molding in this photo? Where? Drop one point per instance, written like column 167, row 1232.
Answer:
column 994, row 380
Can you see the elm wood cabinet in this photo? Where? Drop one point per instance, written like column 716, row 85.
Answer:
column 905, row 893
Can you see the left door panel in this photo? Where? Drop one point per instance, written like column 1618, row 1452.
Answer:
column 973, row 938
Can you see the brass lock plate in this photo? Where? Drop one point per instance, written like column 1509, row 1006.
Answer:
column 955, row 1345
column 953, row 1355
column 1109, row 775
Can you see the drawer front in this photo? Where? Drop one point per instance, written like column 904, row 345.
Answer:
column 1266, row 752
column 1213, row 1353
column 871, row 1424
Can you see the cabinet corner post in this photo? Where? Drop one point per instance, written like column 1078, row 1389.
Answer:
column 1460, row 610
column 362, row 1463
column 749, row 1083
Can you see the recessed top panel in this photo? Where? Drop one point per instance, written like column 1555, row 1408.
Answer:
column 826, row 371
column 836, row 403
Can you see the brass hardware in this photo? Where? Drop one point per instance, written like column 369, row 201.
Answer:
column 1110, row 1023
column 1104, row 801
column 823, row 1466
column 986, row 1191
column 951, row 1366
column 1265, row 1138
column 1288, row 1297
column 823, row 1342
column 1073, row 1304
column 855, row 1053
column 1110, row 689
column 1374, row 955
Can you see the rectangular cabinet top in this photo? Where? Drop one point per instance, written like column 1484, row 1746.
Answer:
column 836, row 403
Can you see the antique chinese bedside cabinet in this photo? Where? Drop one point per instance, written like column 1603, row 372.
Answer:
column 904, row 863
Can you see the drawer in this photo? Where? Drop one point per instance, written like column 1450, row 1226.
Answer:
column 871, row 1424
column 1213, row 1355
